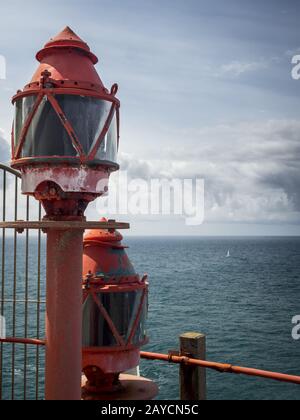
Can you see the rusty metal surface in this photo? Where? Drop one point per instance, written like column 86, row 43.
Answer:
column 67, row 68
column 221, row 367
column 131, row 388
column 63, row 314
column 21, row 302
column 69, row 179
column 63, row 225
column 19, row 340
column 114, row 310
column 7, row 169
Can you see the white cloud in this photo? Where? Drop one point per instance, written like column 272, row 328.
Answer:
column 237, row 68
column 4, row 148
column 251, row 170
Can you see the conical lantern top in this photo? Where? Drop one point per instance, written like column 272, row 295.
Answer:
column 67, row 38
column 66, row 128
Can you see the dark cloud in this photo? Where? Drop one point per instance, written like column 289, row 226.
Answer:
column 288, row 180
column 251, row 170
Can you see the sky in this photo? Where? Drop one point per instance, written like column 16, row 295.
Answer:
column 206, row 93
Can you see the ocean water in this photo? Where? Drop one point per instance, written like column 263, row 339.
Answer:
column 244, row 304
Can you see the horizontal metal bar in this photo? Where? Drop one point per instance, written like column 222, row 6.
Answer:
column 16, row 340
column 10, row 170
column 221, row 367
column 21, row 301
column 21, row 225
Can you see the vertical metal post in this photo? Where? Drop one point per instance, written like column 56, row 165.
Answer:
column 38, row 308
column 3, row 274
column 63, row 314
column 192, row 379
column 14, row 307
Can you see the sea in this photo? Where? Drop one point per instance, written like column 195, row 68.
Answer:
column 244, row 303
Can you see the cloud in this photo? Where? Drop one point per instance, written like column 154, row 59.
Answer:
column 4, row 154
column 251, row 170
column 4, row 149
column 291, row 53
column 237, row 68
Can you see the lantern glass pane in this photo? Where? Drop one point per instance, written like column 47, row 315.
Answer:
column 96, row 331
column 23, row 108
column 108, row 149
column 87, row 115
column 46, row 135
column 122, row 307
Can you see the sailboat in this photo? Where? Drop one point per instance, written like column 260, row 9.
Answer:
column 228, row 254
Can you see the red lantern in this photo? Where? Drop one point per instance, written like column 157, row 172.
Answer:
column 115, row 305
column 66, row 128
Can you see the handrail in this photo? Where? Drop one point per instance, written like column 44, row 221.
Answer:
column 221, row 367
column 10, row 170
column 17, row 340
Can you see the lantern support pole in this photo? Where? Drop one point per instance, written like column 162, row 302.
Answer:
column 64, row 314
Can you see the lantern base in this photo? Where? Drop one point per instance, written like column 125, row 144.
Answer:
column 131, row 388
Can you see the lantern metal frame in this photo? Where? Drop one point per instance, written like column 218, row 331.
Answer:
column 96, row 286
column 50, row 93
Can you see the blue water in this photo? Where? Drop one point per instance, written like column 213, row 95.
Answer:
column 244, row 304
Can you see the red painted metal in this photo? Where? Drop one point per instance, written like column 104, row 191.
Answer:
column 66, row 68
column 44, row 225
column 63, row 315
column 65, row 185
column 18, row 340
column 78, row 67
column 222, row 367
column 131, row 388
column 107, row 271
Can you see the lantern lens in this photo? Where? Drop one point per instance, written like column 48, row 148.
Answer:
column 123, row 309
column 108, row 149
column 93, row 121
column 23, row 108
column 87, row 116
column 46, row 135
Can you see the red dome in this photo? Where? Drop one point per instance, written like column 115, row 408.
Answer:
column 70, row 61
column 67, row 39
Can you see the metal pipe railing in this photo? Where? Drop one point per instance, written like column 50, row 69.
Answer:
column 221, row 367
column 170, row 358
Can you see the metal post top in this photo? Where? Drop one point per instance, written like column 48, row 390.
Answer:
column 21, row 225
